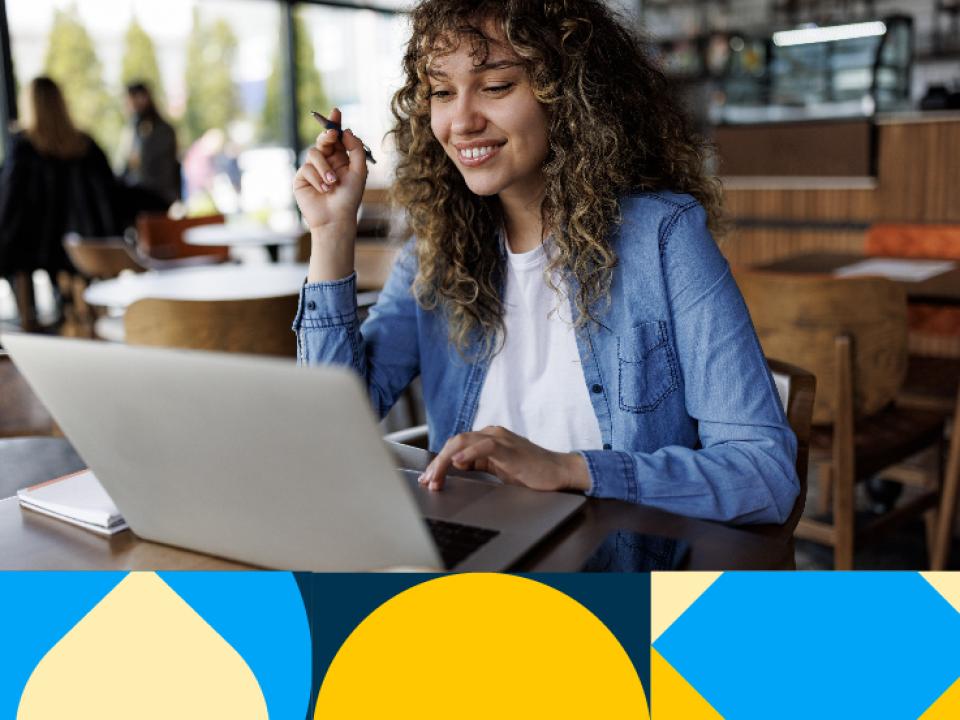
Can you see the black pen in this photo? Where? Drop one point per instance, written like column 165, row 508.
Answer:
column 331, row 125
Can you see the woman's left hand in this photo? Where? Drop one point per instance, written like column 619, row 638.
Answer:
column 512, row 458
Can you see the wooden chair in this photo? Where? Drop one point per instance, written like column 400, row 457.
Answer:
column 102, row 258
column 852, row 334
column 161, row 237
column 258, row 326
column 933, row 383
column 95, row 259
column 797, row 389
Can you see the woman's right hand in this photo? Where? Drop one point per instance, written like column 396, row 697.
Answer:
column 329, row 185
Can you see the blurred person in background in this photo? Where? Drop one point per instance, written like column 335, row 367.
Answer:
column 55, row 180
column 151, row 169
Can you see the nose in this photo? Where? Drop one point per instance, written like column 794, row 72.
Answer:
column 467, row 116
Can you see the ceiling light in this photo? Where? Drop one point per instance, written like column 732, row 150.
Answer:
column 833, row 33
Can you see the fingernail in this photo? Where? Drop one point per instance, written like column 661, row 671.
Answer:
column 323, row 188
column 422, row 479
column 331, row 177
column 434, row 486
column 458, row 457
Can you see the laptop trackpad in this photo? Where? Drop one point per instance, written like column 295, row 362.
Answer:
column 456, row 495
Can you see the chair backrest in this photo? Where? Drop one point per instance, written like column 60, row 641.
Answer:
column 101, row 258
column 161, row 237
column 800, row 388
column 259, row 326
column 800, row 317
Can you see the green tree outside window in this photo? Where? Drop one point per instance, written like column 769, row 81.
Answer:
column 211, row 95
column 140, row 63
column 72, row 61
column 310, row 94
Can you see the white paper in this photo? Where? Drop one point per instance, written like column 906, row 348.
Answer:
column 902, row 269
column 78, row 498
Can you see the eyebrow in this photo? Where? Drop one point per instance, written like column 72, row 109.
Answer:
column 483, row 67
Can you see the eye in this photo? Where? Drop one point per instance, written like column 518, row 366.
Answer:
column 440, row 94
column 499, row 89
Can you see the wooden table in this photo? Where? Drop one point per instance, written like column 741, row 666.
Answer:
column 943, row 289
column 207, row 282
column 29, row 541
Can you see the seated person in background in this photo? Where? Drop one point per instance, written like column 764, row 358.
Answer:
column 150, row 167
column 572, row 320
column 55, row 180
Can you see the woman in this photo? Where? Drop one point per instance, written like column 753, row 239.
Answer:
column 570, row 316
column 152, row 171
column 55, row 180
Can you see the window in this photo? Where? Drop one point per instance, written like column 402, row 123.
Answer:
column 208, row 64
column 357, row 54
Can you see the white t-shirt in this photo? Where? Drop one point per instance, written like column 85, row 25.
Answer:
column 535, row 385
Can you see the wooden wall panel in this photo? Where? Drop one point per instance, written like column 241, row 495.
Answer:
column 833, row 205
column 918, row 181
column 843, row 148
column 919, row 172
column 743, row 246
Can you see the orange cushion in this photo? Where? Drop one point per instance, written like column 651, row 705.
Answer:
column 920, row 241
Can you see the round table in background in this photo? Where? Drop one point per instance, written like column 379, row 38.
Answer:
column 208, row 282
column 241, row 235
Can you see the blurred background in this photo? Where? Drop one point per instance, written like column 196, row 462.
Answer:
column 236, row 79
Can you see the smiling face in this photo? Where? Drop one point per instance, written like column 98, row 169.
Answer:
column 484, row 114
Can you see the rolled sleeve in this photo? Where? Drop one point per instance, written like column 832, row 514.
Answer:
column 384, row 352
column 327, row 304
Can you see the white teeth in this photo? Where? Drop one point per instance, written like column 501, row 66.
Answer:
column 474, row 153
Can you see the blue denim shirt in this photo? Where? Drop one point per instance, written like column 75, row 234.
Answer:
column 689, row 415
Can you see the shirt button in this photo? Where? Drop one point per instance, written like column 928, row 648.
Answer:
column 311, row 305
column 607, row 446
column 597, row 389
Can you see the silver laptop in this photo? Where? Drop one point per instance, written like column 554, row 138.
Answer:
column 257, row 460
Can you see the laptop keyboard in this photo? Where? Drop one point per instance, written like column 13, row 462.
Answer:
column 456, row 542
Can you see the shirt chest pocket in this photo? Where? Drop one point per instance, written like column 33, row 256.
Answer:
column 648, row 368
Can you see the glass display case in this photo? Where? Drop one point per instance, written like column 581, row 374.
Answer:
column 816, row 72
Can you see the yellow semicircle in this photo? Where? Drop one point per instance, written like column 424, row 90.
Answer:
column 673, row 697
column 142, row 652
column 481, row 646
column 672, row 593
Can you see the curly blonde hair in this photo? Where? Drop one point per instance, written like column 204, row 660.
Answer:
column 614, row 128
